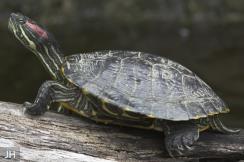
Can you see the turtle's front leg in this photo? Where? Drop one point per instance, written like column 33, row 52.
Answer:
column 50, row 91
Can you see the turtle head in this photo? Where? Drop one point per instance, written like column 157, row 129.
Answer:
column 29, row 33
column 37, row 39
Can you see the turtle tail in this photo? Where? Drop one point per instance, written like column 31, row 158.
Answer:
column 217, row 125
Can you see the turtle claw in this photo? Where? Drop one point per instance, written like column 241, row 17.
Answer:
column 170, row 153
column 188, row 140
column 180, row 147
column 179, row 152
column 32, row 109
column 26, row 106
column 179, row 138
column 174, row 145
column 188, row 148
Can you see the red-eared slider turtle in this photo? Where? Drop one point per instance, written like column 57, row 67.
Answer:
column 127, row 88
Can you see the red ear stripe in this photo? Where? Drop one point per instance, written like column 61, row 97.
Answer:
column 37, row 29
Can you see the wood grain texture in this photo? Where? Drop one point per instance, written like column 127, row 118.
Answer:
column 56, row 137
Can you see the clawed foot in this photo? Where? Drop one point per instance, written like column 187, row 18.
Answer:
column 33, row 109
column 177, row 145
column 180, row 137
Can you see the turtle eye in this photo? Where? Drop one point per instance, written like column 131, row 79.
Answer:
column 21, row 20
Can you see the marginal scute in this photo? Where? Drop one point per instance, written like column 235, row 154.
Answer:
column 143, row 84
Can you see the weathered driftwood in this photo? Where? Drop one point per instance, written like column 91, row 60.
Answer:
column 56, row 137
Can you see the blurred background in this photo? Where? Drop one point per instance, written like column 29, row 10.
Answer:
column 205, row 36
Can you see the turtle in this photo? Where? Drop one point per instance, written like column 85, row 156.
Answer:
column 126, row 88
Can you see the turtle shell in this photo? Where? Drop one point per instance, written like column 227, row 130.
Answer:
column 143, row 83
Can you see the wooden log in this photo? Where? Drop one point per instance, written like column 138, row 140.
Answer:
column 57, row 137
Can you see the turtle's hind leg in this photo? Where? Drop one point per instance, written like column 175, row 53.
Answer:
column 217, row 125
column 179, row 136
column 50, row 91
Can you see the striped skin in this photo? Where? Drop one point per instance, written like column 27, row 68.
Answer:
column 102, row 112
column 98, row 110
column 44, row 47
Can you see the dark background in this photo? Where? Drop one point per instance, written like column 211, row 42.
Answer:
column 205, row 36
